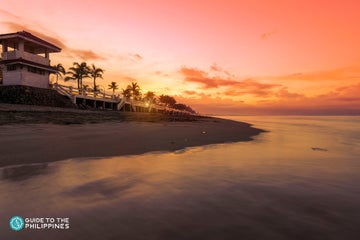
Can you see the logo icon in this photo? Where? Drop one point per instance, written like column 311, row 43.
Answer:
column 17, row 223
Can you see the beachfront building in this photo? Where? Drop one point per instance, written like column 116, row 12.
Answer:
column 25, row 60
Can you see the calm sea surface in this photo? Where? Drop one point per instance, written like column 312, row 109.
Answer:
column 300, row 180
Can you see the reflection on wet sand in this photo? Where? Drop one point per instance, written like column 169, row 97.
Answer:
column 22, row 172
column 213, row 192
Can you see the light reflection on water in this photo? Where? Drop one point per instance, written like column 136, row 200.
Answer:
column 275, row 187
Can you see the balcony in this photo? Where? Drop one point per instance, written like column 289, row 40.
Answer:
column 12, row 55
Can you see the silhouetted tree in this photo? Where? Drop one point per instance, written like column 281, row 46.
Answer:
column 183, row 107
column 95, row 73
column 134, row 89
column 60, row 71
column 78, row 72
column 167, row 100
column 113, row 86
column 150, row 97
column 126, row 92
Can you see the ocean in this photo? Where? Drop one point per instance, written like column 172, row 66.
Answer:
column 299, row 180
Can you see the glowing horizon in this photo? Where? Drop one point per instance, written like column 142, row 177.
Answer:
column 219, row 57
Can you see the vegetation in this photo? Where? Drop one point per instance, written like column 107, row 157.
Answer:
column 60, row 71
column 150, row 97
column 86, row 87
column 135, row 90
column 95, row 73
column 79, row 71
column 113, row 86
column 167, row 100
column 126, row 92
column 171, row 102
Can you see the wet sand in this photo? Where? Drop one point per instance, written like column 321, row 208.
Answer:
column 275, row 187
column 37, row 135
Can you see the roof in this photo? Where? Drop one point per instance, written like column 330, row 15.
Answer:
column 31, row 38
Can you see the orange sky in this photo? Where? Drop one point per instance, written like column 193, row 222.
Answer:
column 219, row 56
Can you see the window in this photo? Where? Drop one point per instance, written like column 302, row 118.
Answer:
column 36, row 70
column 11, row 67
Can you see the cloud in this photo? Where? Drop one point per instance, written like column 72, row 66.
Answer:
column 350, row 73
column 198, row 76
column 220, row 70
column 190, row 92
column 255, row 92
column 267, row 35
column 135, row 56
column 349, row 93
column 270, row 98
column 86, row 54
column 10, row 15
column 234, row 87
column 131, row 79
column 19, row 27
column 284, row 93
column 81, row 53
column 215, row 68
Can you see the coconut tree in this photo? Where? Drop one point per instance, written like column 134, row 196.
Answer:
column 60, row 71
column 150, row 97
column 134, row 88
column 126, row 92
column 113, row 86
column 95, row 73
column 86, row 87
column 78, row 72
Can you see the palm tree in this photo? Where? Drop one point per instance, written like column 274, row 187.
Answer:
column 96, row 73
column 113, row 86
column 134, row 88
column 86, row 87
column 60, row 71
column 126, row 92
column 78, row 72
column 150, row 96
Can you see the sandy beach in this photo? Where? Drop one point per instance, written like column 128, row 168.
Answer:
column 42, row 134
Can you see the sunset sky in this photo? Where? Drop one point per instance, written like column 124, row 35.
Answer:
column 219, row 56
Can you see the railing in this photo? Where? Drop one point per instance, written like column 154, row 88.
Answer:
column 10, row 55
column 16, row 54
column 36, row 58
column 64, row 90
column 72, row 92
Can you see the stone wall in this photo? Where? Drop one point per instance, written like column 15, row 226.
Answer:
column 34, row 96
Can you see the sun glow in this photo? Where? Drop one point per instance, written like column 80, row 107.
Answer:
column 237, row 54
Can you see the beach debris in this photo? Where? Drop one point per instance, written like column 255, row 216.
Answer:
column 319, row 149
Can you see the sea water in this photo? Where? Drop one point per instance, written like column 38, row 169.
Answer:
column 299, row 180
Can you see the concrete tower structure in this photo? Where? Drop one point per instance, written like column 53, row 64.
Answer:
column 25, row 60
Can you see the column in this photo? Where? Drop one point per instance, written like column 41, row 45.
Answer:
column 21, row 46
column 4, row 47
column 46, row 53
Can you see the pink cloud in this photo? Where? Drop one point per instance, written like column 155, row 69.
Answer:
column 83, row 54
column 234, row 87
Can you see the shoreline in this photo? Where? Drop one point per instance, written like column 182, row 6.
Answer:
column 35, row 137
